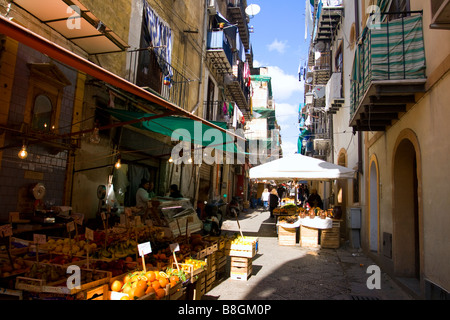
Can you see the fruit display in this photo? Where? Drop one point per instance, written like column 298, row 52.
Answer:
column 19, row 266
column 116, row 267
column 62, row 259
column 288, row 219
column 70, row 247
column 17, row 247
column 197, row 265
column 116, row 250
column 242, row 246
column 140, row 284
column 53, row 278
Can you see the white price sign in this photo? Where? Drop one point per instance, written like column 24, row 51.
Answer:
column 144, row 248
column 174, row 247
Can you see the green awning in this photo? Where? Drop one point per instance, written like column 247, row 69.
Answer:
column 268, row 114
column 181, row 128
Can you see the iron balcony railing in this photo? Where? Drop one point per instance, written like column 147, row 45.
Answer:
column 173, row 88
column 391, row 50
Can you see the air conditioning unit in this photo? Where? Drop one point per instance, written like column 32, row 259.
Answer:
column 322, row 144
column 212, row 10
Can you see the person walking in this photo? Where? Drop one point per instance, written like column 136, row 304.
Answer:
column 265, row 198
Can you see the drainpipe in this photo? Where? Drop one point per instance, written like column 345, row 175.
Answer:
column 200, row 83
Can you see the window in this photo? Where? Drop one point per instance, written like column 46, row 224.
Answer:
column 45, row 94
column 148, row 73
column 399, row 6
column 42, row 113
column 209, row 114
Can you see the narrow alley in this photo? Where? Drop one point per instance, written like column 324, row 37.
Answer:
column 300, row 273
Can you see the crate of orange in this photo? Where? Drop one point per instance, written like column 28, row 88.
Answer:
column 141, row 285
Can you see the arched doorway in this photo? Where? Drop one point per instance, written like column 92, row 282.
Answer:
column 406, row 207
column 373, row 205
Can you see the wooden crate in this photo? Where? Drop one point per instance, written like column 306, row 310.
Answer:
column 287, row 236
column 221, row 261
column 60, row 286
column 98, row 293
column 309, row 237
column 209, row 281
column 241, row 268
column 211, row 263
column 245, row 251
column 200, row 286
column 330, row 238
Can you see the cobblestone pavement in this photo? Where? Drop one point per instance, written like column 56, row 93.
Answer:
column 297, row 273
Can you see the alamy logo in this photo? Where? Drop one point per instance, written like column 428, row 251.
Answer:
column 73, row 281
column 374, row 19
column 374, row 280
column 74, row 20
column 215, row 147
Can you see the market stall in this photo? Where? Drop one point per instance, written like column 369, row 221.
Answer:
column 314, row 226
column 161, row 258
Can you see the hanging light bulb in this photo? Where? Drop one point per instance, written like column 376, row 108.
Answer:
column 23, row 152
column 190, row 160
column 118, row 163
column 170, row 160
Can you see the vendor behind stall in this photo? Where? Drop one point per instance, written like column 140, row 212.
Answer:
column 174, row 192
column 314, row 200
column 143, row 196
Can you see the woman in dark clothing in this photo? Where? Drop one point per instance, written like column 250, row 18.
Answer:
column 273, row 201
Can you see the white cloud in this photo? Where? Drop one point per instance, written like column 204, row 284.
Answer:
column 286, row 111
column 279, row 46
column 285, row 85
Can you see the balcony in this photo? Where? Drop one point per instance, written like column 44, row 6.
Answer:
column 328, row 20
column 236, row 90
column 388, row 71
column 219, row 52
column 236, row 14
column 333, row 93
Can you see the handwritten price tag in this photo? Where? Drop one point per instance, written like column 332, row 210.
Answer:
column 144, row 248
column 6, row 230
column 70, row 226
column 89, row 233
column 39, row 238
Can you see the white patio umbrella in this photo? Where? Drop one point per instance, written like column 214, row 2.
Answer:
column 302, row 167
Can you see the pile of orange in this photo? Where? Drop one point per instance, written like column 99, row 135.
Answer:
column 140, row 283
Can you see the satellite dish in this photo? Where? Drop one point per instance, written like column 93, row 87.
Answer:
column 309, row 80
column 252, row 10
column 320, row 46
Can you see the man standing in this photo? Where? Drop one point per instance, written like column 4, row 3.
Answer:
column 142, row 197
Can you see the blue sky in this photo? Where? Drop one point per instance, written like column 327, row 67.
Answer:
column 278, row 43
